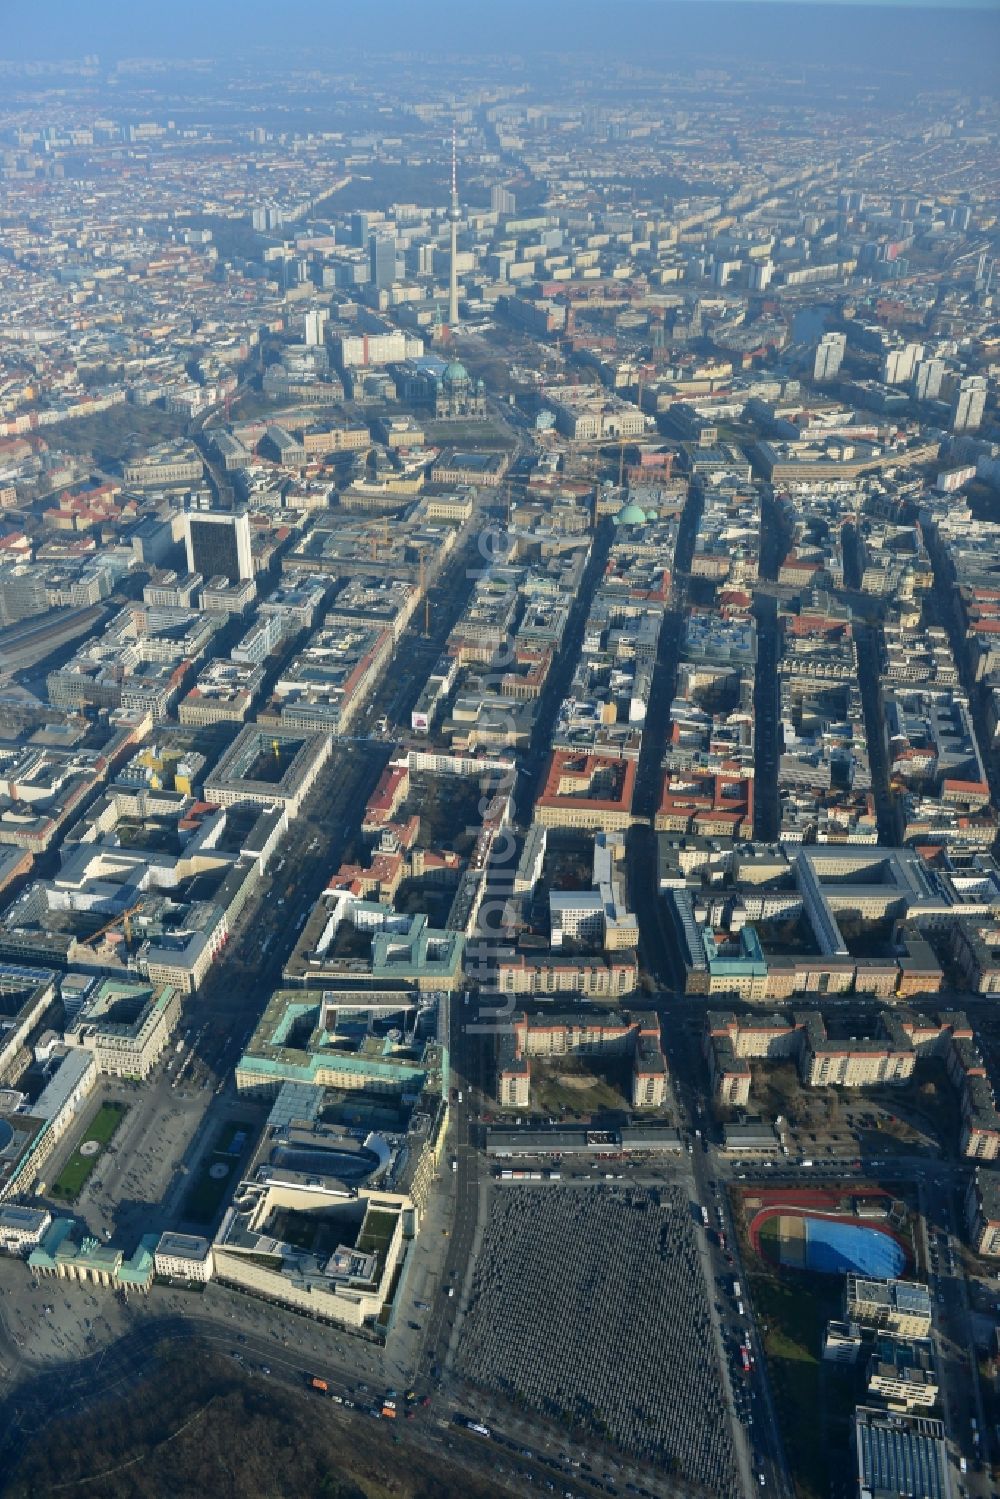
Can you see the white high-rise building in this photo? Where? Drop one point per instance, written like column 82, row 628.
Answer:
column 502, row 201
column 315, row 325
column 761, row 275
column 969, row 405
column 724, row 270
column 829, row 356
column 927, row 379
column 898, row 364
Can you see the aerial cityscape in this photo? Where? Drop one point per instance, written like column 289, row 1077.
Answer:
column 500, row 752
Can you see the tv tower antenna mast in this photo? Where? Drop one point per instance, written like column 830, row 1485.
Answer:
column 453, row 216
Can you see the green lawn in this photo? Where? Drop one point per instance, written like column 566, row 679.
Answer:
column 768, row 1235
column 376, row 1236
column 791, row 1318
column 552, row 1093
column 378, row 1230
column 207, row 1192
column 69, row 1183
column 814, row 1400
column 462, row 435
column 795, row 1315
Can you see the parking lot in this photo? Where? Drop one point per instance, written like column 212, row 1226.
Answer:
column 564, row 1275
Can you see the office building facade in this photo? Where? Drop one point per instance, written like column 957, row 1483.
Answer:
column 218, row 544
column 382, row 261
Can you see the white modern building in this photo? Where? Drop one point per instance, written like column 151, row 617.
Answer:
column 21, row 1228
column 184, row 1257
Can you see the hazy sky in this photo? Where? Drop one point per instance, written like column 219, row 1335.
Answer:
column 940, row 34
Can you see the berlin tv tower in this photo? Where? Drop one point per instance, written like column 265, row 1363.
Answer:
column 453, row 215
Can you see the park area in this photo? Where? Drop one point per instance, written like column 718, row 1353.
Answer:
column 70, row 1182
column 448, row 808
column 814, row 1399
column 217, row 1173
column 570, row 1086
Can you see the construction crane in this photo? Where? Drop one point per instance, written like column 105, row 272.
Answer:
column 125, row 917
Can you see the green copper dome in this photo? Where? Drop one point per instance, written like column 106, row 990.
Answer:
column 630, row 515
